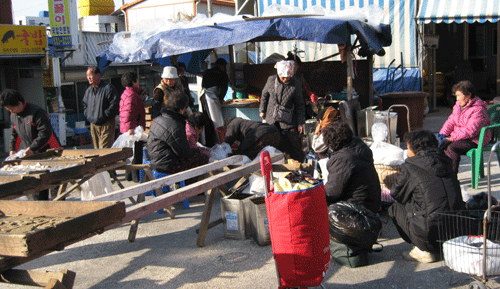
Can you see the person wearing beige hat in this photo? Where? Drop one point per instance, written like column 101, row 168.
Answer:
column 169, row 83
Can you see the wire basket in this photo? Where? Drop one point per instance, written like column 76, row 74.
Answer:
column 462, row 236
column 387, row 175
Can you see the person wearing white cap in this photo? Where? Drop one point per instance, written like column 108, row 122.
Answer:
column 282, row 105
column 169, row 83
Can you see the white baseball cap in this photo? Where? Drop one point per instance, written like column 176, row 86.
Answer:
column 169, row 72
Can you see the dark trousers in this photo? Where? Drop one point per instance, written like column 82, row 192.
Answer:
column 291, row 143
column 400, row 217
column 457, row 148
column 182, row 164
column 136, row 159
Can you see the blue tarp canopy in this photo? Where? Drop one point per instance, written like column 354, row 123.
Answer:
column 319, row 29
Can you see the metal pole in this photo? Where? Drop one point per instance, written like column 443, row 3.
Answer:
column 349, row 72
column 433, row 79
column 209, row 8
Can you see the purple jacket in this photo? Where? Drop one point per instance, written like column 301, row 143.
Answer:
column 132, row 113
column 466, row 123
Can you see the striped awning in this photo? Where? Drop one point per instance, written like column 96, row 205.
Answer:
column 459, row 11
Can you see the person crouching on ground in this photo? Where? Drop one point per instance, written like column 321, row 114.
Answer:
column 167, row 145
column 195, row 124
column 252, row 135
column 426, row 186
column 351, row 173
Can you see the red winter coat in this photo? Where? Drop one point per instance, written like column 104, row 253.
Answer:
column 466, row 123
column 132, row 112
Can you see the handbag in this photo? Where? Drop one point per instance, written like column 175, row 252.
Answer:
column 283, row 114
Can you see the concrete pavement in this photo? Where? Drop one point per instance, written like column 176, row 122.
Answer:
column 165, row 254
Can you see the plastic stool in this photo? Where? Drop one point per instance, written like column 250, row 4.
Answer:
column 165, row 189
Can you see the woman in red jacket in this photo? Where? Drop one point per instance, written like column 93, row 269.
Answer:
column 132, row 115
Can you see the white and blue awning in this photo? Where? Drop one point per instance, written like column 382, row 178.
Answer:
column 459, row 11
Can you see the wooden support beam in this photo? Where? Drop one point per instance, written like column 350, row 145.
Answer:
column 159, row 183
column 72, row 188
column 205, row 218
column 152, row 205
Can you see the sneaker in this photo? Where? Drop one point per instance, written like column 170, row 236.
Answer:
column 420, row 256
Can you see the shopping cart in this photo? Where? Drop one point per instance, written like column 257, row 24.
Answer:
column 471, row 239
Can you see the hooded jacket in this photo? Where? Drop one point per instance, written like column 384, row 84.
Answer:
column 352, row 176
column 288, row 95
column 132, row 112
column 466, row 123
column 167, row 141
column 425, row 187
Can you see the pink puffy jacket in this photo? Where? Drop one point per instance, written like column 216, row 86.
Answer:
column 466, row 123
column 132, row 112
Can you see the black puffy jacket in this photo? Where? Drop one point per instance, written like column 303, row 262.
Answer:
column 352, row 176
column 425, row 187
column 167, row 141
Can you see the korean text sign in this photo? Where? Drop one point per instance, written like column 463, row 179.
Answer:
column 17, row 39
column 60, row 22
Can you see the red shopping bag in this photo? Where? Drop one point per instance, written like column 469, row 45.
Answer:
column 298, row 225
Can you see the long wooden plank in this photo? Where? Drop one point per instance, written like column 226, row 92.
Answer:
column 152, row 205
column 71, row 209
column 159, row 183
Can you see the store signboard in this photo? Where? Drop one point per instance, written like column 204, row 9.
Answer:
column 60, row 22
column 18, row 39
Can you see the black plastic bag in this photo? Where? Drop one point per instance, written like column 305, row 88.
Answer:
column 353, row 224
column 480, row 202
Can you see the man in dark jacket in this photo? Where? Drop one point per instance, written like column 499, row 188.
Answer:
column 351, row 173
column 167, row 145
column 425, row 187
column 252, row 135
column 101, row 104
column 31, row 125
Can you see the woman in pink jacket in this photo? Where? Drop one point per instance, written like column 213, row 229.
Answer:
column 132, row 115
column 462, row 129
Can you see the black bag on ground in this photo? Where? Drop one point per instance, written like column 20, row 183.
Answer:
column 348, row 255
column 353, row 224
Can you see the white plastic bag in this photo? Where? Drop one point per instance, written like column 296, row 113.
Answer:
column 255, row 186
column 387, row 154
column 324, row 169
column 464, row 254
column 272, row 150
column 219, row 152
column 96, row 186
column 126, row 140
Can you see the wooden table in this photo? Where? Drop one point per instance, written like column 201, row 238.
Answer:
column 80, row 165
